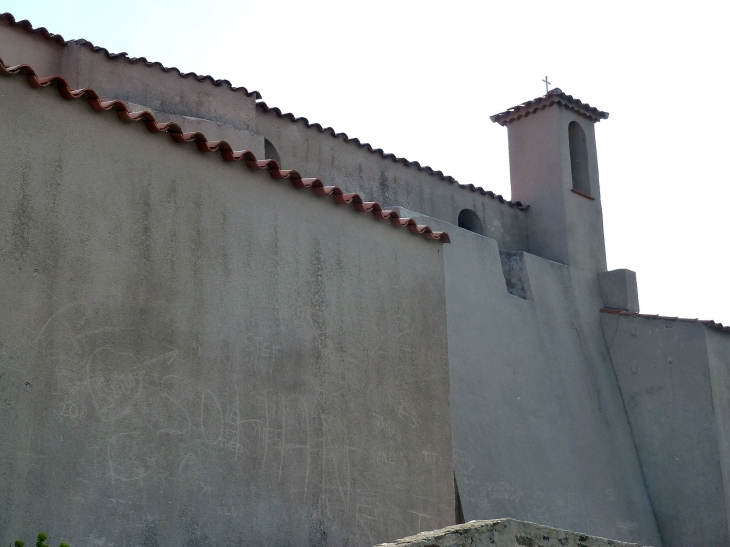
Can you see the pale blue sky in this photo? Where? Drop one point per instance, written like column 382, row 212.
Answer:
column 421, row 78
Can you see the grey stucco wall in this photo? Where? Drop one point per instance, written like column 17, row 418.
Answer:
column 563, row 226
column 540, row 431
column 504, row 533
column 18, row 46
column 391, row 183
column 218, row 111
column 675, row 393
column 223, row 114
column 193, row 354
column 718, row 353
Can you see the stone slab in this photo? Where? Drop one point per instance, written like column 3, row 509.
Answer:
column 504, row 533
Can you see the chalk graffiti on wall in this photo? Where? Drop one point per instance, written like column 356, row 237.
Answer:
column 164, row 421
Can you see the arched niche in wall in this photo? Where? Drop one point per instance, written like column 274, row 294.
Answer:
column 469, row 220
column 579, row 158
column 270, row 152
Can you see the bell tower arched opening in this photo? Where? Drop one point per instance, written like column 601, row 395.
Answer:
column 579, row 158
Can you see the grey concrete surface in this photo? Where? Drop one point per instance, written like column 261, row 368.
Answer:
column 319, row 154
column 540, row 432
column 192, row 354
column 619, row 290
column 563, row 226
column 718, row 353
column 516, row 277
column 504, row 533
column 167, row 94
column 675, row 391
column 223, row 114
column 20, row 47
column 239, row 139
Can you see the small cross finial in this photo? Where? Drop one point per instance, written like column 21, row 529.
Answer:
column 546, row 85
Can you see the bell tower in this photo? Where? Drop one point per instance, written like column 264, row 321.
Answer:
column 554, row 170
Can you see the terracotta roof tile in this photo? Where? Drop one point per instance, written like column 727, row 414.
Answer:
column 288, row 116
column 227, row 153
column 42, row 31
column 708, row 322
column 554, row 96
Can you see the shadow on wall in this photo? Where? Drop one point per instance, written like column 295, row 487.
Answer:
column 270, row 152
column 579, row 158
column 458, row 510
column 469, row 220
column 515, row 274
column 514, row 268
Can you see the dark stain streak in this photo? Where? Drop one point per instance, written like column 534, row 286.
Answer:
column 21, row 219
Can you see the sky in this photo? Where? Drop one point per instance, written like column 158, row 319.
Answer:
column 421, row 78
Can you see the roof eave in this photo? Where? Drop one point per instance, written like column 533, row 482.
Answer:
column 554, row 97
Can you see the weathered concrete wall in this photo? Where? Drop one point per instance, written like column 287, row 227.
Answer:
column 18, row 46
column 563, row 226
column 718, row 353
column 192, row 354
column 619, row 290
column 540, row 432
column 675, row 391
column 217, row 111
column 504, row 533
column 319, row 154
column 223, row 114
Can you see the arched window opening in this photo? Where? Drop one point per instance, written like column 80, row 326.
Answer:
column 579, row 158
column 469, row 220
column 270, row 152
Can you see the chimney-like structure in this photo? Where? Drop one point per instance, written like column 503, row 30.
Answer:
column 554, row 170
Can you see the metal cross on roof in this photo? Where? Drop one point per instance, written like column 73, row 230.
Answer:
column 546, row 85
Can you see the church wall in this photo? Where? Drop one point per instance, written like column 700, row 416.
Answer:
column 674, row 388
column 317, row 154
column 18, row 46
column 238, row 139
column 223, row 114
column 217, row 111
column 157, row 89
column 192, row 354
column 540, row 432
column 718, row 351
column 563, row 226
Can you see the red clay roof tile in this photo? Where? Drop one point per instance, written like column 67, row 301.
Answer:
column 28, row 27
column 708, row 322
column 227, row 153
column 554, row 96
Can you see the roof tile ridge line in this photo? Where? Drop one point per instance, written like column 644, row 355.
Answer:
column 560, row 94
column 224, row 148
column 540, row 103
column 388, row 156
column 510, row 116
column 708, row 322
column 28, row 27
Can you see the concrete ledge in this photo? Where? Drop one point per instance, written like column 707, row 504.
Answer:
column 619, row 290
column 503, row 533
